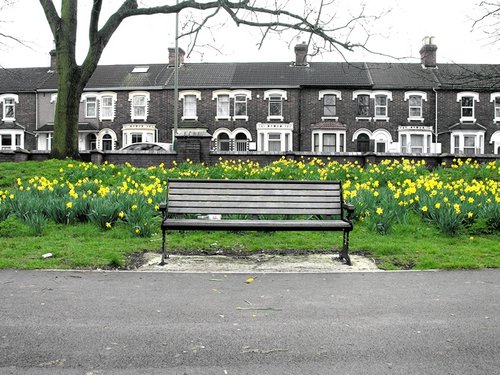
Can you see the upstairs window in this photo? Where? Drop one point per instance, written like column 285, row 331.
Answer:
column 189, row 110
column 139, row 105
column 107, row 106
column 415, row 101
column 241, row 98
column 91, row 107
column 330, row 105
column 223, row 106
column 240, row 106
column 363, row 105
column 9, row 106
column 495, row 98
column 467, row 103
column 381, row 105
column 275, row 106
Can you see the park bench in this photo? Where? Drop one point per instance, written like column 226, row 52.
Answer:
column 256, row 205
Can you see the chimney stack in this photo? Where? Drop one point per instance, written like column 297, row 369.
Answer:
column 301, row 54
column 428, row 53
column 53, row 60
column 171, row 57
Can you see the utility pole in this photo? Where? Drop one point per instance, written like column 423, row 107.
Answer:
column 176, row 80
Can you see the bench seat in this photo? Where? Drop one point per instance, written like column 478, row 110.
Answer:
column 256, row 205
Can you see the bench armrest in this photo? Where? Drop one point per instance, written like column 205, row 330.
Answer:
column 349, row 208
column 163, row 209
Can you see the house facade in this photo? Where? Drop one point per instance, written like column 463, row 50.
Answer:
column 324, row 108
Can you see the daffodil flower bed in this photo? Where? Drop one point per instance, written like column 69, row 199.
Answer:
column 383, row 194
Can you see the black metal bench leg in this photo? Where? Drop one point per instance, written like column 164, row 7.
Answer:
column 163, row 248
column 345, row 249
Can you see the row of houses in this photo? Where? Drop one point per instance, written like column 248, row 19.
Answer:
column 323, row 107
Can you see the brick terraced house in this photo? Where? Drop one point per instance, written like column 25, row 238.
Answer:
column 319, row 107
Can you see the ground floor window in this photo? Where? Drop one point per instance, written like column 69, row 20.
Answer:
column 137, row 133
column 415, row 140
column 328, row 141
column 467, row 143
column 274, row 137
column 11, row 140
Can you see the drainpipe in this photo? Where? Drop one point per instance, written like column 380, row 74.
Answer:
column 435, row 116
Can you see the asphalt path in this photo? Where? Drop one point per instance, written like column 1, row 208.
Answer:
column 179, row 323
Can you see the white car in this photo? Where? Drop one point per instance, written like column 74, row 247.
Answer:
column 146, row 146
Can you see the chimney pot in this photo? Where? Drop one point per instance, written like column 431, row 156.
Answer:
column 428, row 53
column 171, row 57
column 301, row 54
column 53, row 60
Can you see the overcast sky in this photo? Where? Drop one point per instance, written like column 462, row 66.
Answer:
column 147, row 39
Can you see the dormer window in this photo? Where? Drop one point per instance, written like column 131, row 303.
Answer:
column 9, row 106
column 467, row 101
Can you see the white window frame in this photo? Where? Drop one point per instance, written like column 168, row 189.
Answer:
column 14, row 135
column 496, row 106
column 460, row 135
column 340, row 140
column 338, row 96
column 274, row 94
column 285, row 132
column 423, row 97
column 495, row 141
column 248, row 96
column 147, row 132
column 13, row 99
column 222, row 106
column 132, row 98
column 475, row 98
column 182, row 96
column 107, row 116
column 388, row 97
column 355, row 96
column 85, row 98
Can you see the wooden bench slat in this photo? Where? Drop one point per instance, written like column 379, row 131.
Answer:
column 253, row 211
column 250, row 204
column 260, row 185
column 266, row 192
column 238, row 198
column 317, row 225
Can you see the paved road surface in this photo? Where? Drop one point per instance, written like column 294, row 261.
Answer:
column 158, row 323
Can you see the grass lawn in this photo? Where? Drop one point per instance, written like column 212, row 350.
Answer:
column 88, row 247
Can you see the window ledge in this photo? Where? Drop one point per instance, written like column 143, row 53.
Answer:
column 496, row 120
column 217, row 118
column 332, row 118
column 10, row 119
column 362, row 118
column 278, row 118
column 240, row 118
column 189, row 118
column 415, row 119
column 468, row 120
column 386, row 119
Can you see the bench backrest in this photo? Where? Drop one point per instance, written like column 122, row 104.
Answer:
column 255, row 197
